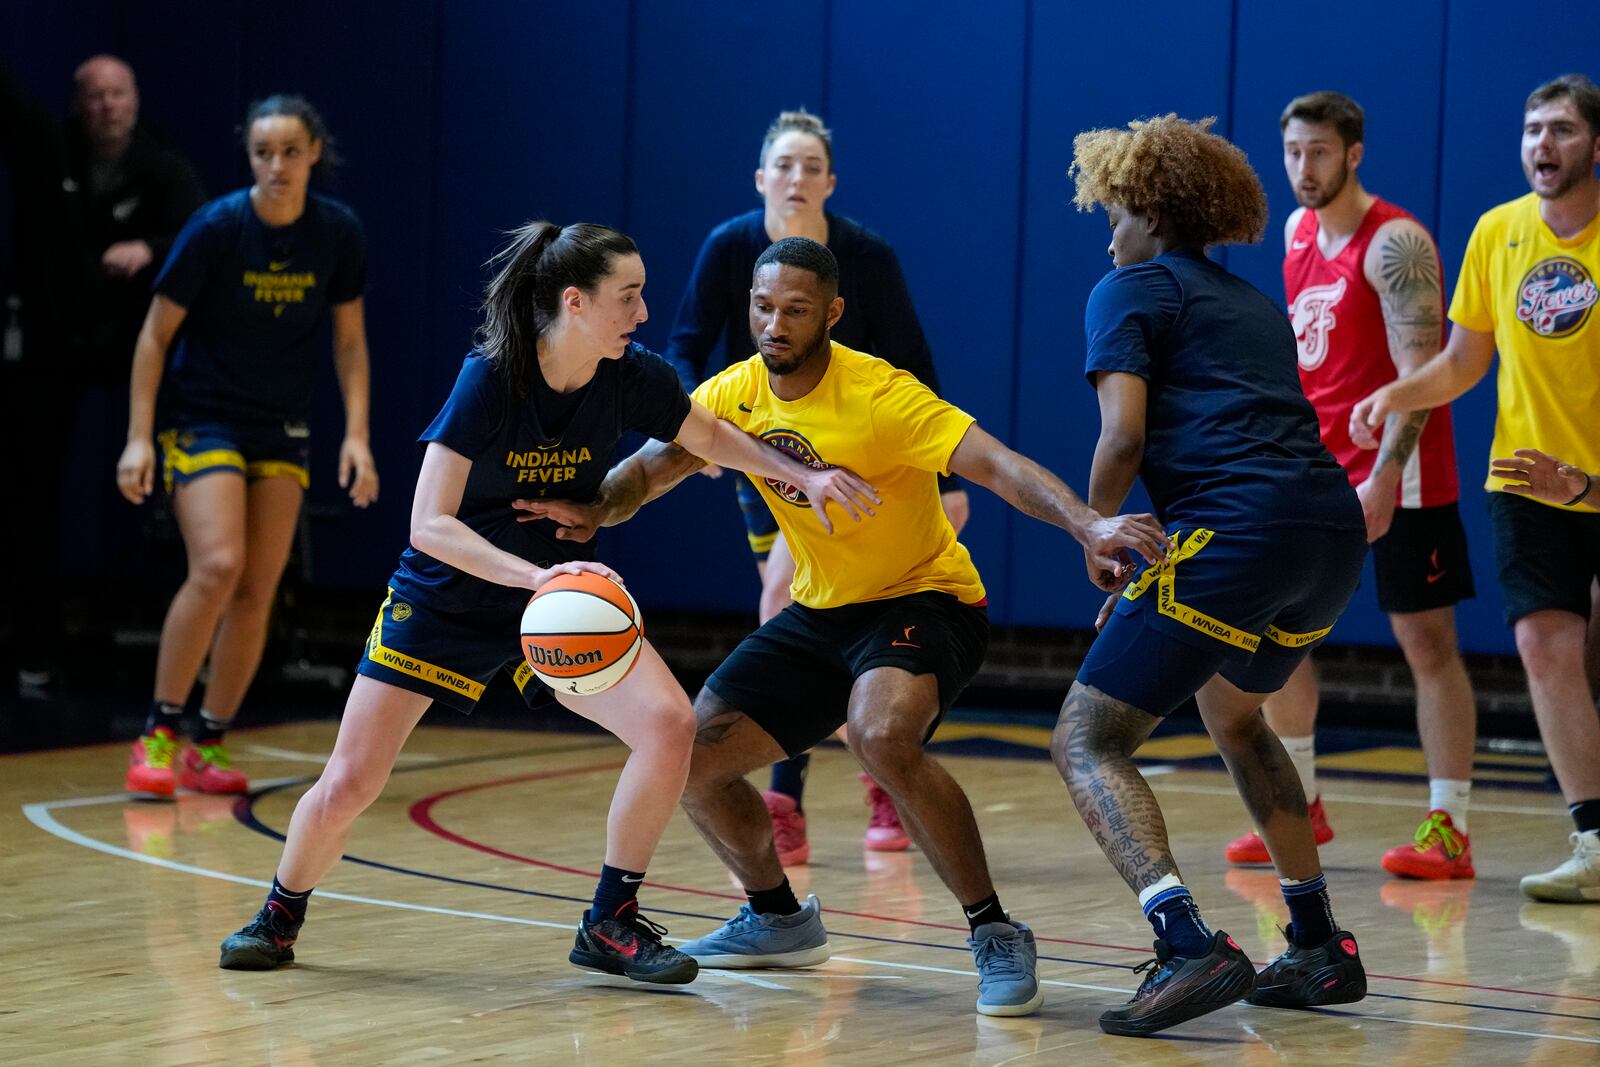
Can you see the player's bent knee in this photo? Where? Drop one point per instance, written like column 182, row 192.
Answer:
column 885, row 747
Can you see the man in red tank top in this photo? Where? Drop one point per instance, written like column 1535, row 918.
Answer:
column 1366, row 299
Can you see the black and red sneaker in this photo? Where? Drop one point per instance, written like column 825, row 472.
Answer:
column 1179, row 988
column 1310, row 977
column 630, row 945
column 267, row 942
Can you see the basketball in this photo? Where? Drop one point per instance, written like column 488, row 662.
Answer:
column 581, row 633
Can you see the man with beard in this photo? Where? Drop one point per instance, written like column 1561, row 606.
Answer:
column 1528, row 290
column 1363, row 285
column 888, row 623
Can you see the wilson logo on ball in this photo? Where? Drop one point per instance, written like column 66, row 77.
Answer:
column 581, row 633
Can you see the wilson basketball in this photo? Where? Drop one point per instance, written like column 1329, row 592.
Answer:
column 581, row 633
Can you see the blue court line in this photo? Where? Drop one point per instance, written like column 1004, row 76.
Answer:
column 244, row 812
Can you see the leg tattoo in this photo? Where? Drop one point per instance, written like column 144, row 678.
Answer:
column 1092, row 746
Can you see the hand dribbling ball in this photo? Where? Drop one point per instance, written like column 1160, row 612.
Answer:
column 581, row 633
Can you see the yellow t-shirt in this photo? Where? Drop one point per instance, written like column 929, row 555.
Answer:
column 893, row 431
column 1537, row 294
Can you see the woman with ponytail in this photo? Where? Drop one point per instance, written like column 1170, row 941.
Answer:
column 242, row 303
column 555, row 373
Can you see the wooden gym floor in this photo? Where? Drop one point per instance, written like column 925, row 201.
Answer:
column 443, row 936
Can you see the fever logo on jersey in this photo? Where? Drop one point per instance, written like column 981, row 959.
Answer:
column 1555, row 298
column 798, row 447
column 1313, row 320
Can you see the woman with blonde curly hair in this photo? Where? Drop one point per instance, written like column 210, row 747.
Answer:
column 1195, row 372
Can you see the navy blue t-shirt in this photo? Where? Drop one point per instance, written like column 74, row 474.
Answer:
column 514, row 457
column 878, row 318
column 257, row 298
column 1230, row 440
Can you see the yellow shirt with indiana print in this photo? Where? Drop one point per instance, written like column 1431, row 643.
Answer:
column 893, row 431
column 1537, row 294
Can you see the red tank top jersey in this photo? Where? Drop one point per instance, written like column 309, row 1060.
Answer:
column 1344, row 355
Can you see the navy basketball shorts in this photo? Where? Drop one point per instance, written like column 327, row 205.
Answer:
column 1422, row 562
column 793, row 676
column 1246, row 604
column 1547, row 557
column 446, row 657
column 276, row 450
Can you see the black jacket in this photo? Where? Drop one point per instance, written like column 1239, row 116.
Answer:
column 77, row 320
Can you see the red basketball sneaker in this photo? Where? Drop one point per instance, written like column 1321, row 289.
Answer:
column 788, row 829
column 150, row 763
column 884, row 830
column 1251, row 849
column 1439, row 851
column 207, row 769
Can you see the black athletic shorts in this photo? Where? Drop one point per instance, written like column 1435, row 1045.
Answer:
column 1547, row 557
column 1422, row 563
column 793, row 676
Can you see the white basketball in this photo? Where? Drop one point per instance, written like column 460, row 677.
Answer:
column 581, row 633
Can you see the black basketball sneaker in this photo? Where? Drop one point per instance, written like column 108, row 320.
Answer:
column 1310, row 977
column 1178, row 988
column 267, row 942
column 630, row 945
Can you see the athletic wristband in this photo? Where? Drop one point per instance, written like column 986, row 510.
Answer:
column 1588, row 483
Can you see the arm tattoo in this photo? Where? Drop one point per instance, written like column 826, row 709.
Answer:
column 1109, row 792
column 1413, row 305
column 1400, row 436
column 1413, row 316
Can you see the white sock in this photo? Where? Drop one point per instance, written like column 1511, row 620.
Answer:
column 1451, row 796
column 1303, row 754
column 1170, row 881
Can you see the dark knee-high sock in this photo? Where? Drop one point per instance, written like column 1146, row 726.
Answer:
column 789, row 778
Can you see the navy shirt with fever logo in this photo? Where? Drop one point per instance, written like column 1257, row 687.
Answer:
column 548, row 445
column 257, row 298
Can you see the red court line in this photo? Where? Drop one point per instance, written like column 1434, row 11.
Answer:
column 422, row 814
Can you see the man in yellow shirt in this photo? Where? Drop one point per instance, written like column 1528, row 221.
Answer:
column 1528, row 288
column 888, row 623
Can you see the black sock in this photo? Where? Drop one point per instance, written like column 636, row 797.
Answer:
column 617, row 889
column 1310, row 911
column 987, row 910
column 789, row 777
column 208, row 729
column 1586, row 813
column 163, row 714
column 291, row 904
column 776, row 901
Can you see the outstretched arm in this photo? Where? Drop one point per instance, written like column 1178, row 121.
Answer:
column 1462, row 364
column 657, row 467
column 1033, row 490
